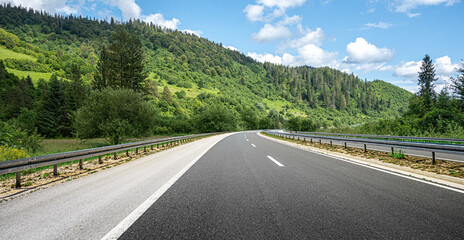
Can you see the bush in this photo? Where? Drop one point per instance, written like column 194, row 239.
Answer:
column 26, row 65
column 8, row 39
column 217, row 118
column 114, row 114
column 10, row 153
column 13, row 136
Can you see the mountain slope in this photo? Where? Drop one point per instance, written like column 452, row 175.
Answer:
column 205, row 71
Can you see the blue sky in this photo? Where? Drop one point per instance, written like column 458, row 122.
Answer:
column 375, row 39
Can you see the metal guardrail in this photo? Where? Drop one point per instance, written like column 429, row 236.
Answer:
column 19, row 165
column 430, row 147
column 430, row 139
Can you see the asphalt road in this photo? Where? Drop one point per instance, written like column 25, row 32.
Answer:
column 243, row 187
column 248, row 187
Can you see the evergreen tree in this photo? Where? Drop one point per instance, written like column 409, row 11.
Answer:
column 76, row 94
column 167, row 96
column 458, row 85
column 53, row 113
column 122, row 64
column 427, row 78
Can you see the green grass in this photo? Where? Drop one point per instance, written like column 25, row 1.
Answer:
column 280, row 105
column 51, row 146
column 190, row 92
column 398, row 155
column 35, row 76
column 6, row 53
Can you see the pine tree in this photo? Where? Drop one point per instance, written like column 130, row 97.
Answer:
column 427, row 92
column 458, row 85
column 167, row 96
column 53, row 111
column 76, row 94
column 122, row 63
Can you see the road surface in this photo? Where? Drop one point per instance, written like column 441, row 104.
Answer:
column 243, row 187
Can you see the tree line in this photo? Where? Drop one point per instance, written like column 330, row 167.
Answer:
column 430, row 113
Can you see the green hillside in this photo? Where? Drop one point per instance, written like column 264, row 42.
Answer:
column 198, row 72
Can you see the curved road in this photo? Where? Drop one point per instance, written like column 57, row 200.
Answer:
column 243, row 187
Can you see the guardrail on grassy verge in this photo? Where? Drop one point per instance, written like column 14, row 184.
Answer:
column 404, row 138
column 55, row 159
column 430, row 147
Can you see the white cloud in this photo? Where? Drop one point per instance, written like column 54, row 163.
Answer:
column 408, row 70
column 290, row 20
column 52, row 6
column 254, row 12
column 413, row 15
column 444, row 66
column 265, row 57
column 283, row 4
column 67, row 10
column 129, row 8
column 311, row 55
column 193, row 32
column 382, row 25
column 310, row 37
column 233, row 48
column 361, row 51
column 271, row 33
column 158, row 19
column 405, row 6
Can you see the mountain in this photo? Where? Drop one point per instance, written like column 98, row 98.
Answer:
column 199, row 72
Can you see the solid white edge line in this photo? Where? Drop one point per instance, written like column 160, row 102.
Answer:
column 253, row 145
column 117, row 231
column 275, row 161
column 377, row 168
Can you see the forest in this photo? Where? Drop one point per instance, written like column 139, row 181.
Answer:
column 76, row 77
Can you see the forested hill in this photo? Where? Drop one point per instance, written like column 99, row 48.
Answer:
column 200, row 72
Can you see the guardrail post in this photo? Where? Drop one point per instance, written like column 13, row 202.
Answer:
column 127, row 153
column 331, row 143
column 100, row 159
column 55, row 170
column 320, row 141
column 365, row 148
column 393, row 151
column 151, row 147
column 345, row 145
column 81, row 164
column 18, row 179
column 144, row 148
column 136, row 150
column 433, row 158
column 115, row 156
column 311, row 140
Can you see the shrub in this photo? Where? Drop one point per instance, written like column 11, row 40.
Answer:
column 13, row 136
column 114, row 114
column 10, row 153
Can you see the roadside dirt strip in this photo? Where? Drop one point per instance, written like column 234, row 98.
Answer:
column 453, row 182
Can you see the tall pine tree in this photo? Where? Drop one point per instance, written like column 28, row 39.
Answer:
column 427, row 78
column 122, row 63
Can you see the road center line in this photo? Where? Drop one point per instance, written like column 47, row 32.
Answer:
column 275, row 161
column 248, row 140
column 253, row 145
